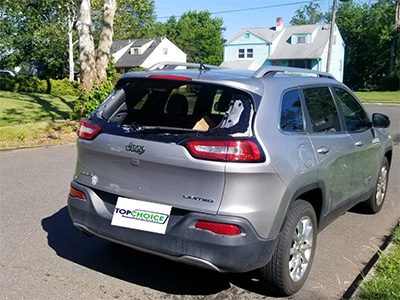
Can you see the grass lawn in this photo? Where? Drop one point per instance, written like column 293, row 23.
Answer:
column 385, row 283
column 22, row 108
column 38, row 134
column 18, row 109
column 379, row 97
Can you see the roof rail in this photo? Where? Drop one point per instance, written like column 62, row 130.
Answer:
column 270, row 71
column 174, row 65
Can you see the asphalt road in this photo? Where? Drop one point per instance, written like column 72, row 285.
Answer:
column 42, row 256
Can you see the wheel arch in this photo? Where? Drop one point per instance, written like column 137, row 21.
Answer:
column 388, row 155
column 313, row 193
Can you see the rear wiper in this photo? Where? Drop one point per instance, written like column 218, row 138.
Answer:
column 133, row 126
column 136, row 126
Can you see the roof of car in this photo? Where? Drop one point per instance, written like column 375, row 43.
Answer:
column 252, row 81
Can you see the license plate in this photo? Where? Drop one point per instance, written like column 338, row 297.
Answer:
column 146, row 216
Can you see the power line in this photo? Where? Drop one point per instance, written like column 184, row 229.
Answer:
column 251, row 8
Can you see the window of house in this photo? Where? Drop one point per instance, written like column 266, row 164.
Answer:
column 301, row 39
column 165, row 51
column 291, row 112
column 245, row 53
column 322, row 110
column 247, row 35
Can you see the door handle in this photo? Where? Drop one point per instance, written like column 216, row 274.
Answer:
column 323, row 150
column 359, row 144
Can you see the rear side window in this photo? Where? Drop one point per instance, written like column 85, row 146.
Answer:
column 354, row 115
column 322, row 110
column 291, row 112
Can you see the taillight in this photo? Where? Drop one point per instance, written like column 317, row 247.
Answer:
column 229, row 150
column 218, row 228
column 87, row 130
column 76, row 193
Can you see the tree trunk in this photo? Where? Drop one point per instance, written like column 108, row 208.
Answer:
column 86, row 45
column 106, row 39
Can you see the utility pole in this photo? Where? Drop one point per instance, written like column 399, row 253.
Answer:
column 331, row 36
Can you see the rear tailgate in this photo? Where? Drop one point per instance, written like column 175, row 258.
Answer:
column 164, row 173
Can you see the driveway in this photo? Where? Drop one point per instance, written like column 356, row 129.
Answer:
column 42, row 256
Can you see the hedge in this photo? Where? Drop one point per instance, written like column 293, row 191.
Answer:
column 389, row 83
column 32, row 84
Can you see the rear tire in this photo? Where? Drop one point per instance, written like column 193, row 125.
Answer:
column 375, row 202
column 287, row 271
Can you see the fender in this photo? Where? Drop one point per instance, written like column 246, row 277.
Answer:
column 307, row 193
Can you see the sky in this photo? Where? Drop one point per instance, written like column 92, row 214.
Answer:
column 236, row 13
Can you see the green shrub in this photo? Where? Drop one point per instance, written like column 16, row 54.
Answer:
column 137, row 69
column 8, row 83
column 30, row 84
column 389, row 83
column 64, row 87
column 88, row 102
column 23, row 83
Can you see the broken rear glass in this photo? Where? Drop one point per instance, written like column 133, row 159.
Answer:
column 175, row 110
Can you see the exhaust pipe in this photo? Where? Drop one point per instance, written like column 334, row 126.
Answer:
column 83, row 229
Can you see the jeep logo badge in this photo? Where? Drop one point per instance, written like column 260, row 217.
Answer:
column 135, row 148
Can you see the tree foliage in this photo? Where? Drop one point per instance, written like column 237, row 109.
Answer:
column 194, row 27
column 309, row 14
column 368, row 32
column 133, row 18
column 35, row 32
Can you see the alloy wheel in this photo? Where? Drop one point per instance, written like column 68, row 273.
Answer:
column 300, row 251
column 381, row 186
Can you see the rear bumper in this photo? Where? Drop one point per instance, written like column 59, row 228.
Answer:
column 182, row 241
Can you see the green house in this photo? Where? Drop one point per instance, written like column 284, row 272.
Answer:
column 303, row 46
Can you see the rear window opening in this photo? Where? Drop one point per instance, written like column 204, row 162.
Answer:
column 150, row 108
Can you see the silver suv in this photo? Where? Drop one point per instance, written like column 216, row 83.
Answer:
column 230, row 170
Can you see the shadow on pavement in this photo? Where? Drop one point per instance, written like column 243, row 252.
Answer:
column 134, row 266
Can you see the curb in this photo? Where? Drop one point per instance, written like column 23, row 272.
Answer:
column 356, row 294
column 354, row 289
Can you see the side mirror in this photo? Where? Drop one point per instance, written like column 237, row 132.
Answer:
column 380, row 120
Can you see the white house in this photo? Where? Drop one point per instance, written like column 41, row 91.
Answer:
column 144, row 53
column 303, row 46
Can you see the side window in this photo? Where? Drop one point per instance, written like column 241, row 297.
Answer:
column 354, row 115
column 322, row 109
column 140, row 104
column 291, row 112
